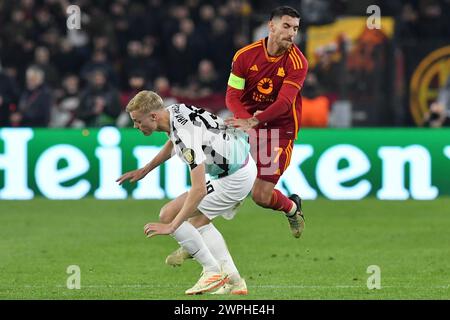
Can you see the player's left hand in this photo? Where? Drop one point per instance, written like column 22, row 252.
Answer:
column 243, row 124
column 154, row 229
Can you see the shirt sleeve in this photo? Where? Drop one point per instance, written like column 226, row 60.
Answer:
column 233, row 102
column 189, row 141
column 235, row 88
column 297, row 69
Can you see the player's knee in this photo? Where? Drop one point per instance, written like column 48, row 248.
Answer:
column 164, row 215
column 260, row 198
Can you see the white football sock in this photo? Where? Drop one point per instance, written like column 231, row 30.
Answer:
column 217, row 246
column 293, row 210
column 190, row 239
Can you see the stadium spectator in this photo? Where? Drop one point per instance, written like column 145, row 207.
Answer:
column 133, row 61
column 8, row 97
column 315, row 106
column 206, row 18
column 329, row 71
column 67, row 59
column 101, row 62
column 206, row 81
column 136, row 83
column 407, row 26
column 35, row 102
column 180, row 58
column 43, row 20
column 439, row 113
column 194, row 38
column 140, row 56
column 317, row 11
column 42, row 60
column 162, row 86
column 431, row 22
column 18, row 28
column 119, row 15
column 104, row 43
column 99, row 102
column 151, row 63
column 67, row 99
column 222, row 46
column 50, row 39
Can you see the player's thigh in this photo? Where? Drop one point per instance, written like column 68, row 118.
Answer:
column 169, row 211
column 273, row 158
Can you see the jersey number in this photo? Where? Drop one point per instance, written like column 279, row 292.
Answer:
column 209, row 187
column 279, row 151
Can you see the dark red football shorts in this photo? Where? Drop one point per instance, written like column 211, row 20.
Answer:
column 272, row 154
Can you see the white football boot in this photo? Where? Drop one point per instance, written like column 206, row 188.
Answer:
column 208, row 282
column 176, row 258
column 239, row 288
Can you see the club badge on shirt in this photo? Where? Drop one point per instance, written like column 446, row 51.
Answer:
column 189, row 155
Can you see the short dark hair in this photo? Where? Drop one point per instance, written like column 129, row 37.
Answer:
column 284, row 11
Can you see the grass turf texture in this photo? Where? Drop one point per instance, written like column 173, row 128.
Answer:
column 409, row 241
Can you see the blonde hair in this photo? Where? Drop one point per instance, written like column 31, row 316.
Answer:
column 145, row 101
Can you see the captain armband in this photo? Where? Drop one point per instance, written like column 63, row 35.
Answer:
column 236, row 82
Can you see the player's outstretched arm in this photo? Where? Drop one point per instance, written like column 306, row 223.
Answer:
column 234, row 104
column 138, row 174
column 133, row 176
column 189, row 209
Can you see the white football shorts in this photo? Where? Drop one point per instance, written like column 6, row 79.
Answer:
column 226, row 194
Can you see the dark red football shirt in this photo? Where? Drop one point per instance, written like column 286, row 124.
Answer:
column 272, row 84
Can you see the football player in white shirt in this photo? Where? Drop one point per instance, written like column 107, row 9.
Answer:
column 207, row 146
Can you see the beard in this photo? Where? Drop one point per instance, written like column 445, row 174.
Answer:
column 285, row 43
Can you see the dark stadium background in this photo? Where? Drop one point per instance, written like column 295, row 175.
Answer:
column 183, row 50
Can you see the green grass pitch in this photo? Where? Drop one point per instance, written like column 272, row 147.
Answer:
column 408, row 240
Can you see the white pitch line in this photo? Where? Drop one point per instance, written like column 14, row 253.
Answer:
column 269, row 286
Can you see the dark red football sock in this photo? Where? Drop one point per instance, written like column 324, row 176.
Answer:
column 280, row 202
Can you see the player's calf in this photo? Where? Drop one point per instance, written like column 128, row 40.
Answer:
column 261, row 199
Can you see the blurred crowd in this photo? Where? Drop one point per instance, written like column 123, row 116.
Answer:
column 51, row 76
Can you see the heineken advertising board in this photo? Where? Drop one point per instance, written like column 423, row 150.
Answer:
column 339, row 164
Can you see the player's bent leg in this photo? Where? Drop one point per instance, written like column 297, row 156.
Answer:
column 219, row 249
column 262, row 193
column 169, row 211
column 190, row 239
column 211, row 278
column 166, row 215
column 176, row 258
column 265, row 195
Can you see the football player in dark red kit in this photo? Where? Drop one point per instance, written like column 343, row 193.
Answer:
column 264, row 95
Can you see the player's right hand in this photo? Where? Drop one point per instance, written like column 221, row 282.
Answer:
column 133, row 176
